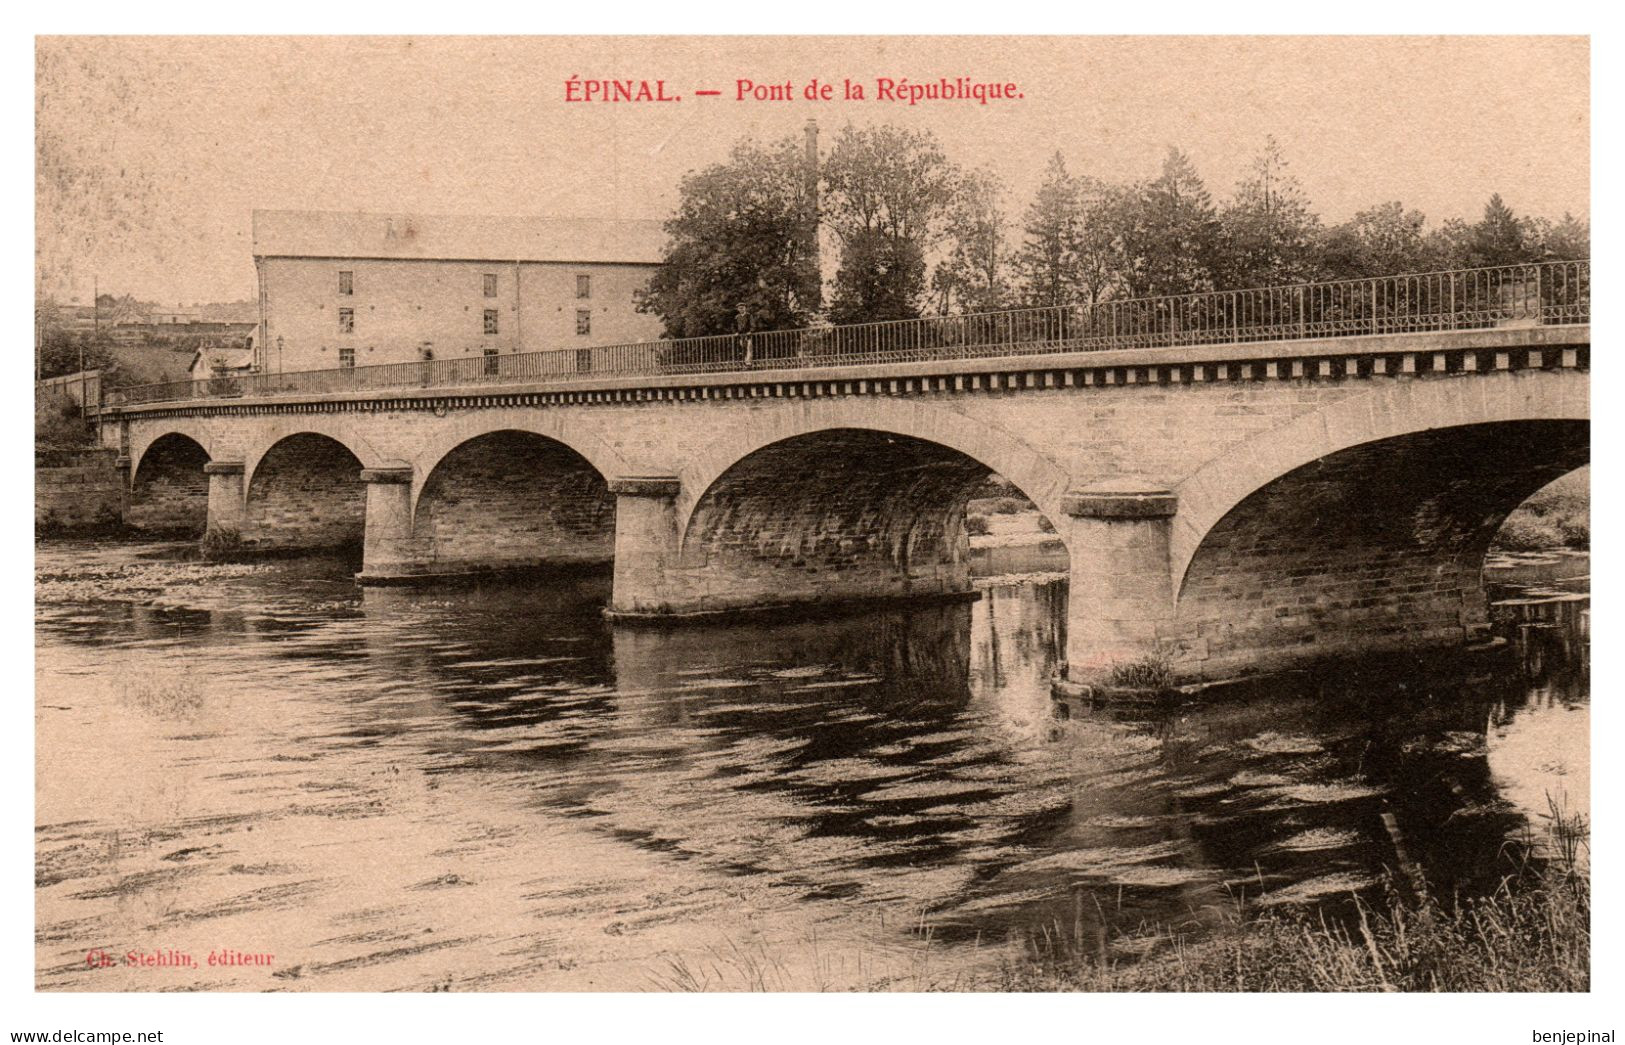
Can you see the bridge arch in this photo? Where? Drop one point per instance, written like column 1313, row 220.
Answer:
column 834, row 504
column 337, row 429
column 1038, row 477
column 304, row 490
column 1365, row 526
column 142, row 437
column 1387, row 411
column 169, row 492
column 509, row 498
column 545, row 424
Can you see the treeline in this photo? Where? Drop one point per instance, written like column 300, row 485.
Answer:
column 915, row 234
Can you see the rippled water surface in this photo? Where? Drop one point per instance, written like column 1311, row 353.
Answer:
column 492, row 788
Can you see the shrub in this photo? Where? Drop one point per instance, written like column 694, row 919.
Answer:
column 58, row 422
column 221, row 544
column 1149, row 672
column 1525, row 531
column 1576, row 530
column 976, row 525
column 1011, row 506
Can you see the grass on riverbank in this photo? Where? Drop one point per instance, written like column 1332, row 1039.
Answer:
column 1516, row 940
column 1531, row 934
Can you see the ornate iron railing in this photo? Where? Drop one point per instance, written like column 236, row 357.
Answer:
column 1547, row 293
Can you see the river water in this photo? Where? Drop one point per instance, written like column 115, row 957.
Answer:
column 491, row 788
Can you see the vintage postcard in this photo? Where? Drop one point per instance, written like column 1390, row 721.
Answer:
column 875, row 514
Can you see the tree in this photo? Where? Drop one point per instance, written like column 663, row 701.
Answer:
column 1451, row 245
column 1046, row 265
column 887, row 195
column 741, row 251
column 1567, row 240
column 1170, row 234
column 970, row 277
column 1099, row 260
column 1269, row 231
column 1378, row 241
column 61, row 352
column 1499, row 238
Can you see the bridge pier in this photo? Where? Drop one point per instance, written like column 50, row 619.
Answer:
column 646, row 544
column 388, row 551
column 223, row 532
column 1121, row 599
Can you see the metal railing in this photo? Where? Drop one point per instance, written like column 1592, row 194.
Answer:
column 1547, row 293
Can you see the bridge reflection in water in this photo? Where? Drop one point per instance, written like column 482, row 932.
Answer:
column 911, row 756
column 904, row 760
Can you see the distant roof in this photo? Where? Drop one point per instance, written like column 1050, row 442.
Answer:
column 230, row 358
column 336, row 234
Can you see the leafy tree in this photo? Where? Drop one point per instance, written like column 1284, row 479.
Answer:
column 1270, row 232
column 59, row 423
column 888, row 191
column 1378, row 241
column 971, row 277
column 741, row 254
column 60, row 353
column 1451, row 245
column 1566, row 240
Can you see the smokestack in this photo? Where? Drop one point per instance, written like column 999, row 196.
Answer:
column 810, row 191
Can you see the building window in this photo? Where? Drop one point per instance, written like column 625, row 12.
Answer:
column 346, row 320
column 583, row 321
column 492, row 361
column 490, row 321
column 346, row 282
column 583, row 286
column 490, row 284
column 346, row 357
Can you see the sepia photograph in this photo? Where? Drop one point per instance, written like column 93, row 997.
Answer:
column 812, row 514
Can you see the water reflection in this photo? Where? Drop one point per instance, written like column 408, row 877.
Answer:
column 905, row 761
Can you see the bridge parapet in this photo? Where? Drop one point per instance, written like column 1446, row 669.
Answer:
column 1538, row 295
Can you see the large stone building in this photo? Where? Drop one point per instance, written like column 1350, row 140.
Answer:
column 352, row 289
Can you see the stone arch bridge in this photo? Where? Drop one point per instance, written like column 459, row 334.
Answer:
column 1227, row 506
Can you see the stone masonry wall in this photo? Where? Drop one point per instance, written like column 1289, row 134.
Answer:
column 169, row 492
column 514, row 499
column 1378, row 547
column 841, row 514
column 305, row 493
column 77, row 492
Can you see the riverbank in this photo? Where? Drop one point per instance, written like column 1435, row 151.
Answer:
column 1533, row 936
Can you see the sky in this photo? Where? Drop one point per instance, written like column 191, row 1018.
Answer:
column 152, row 152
